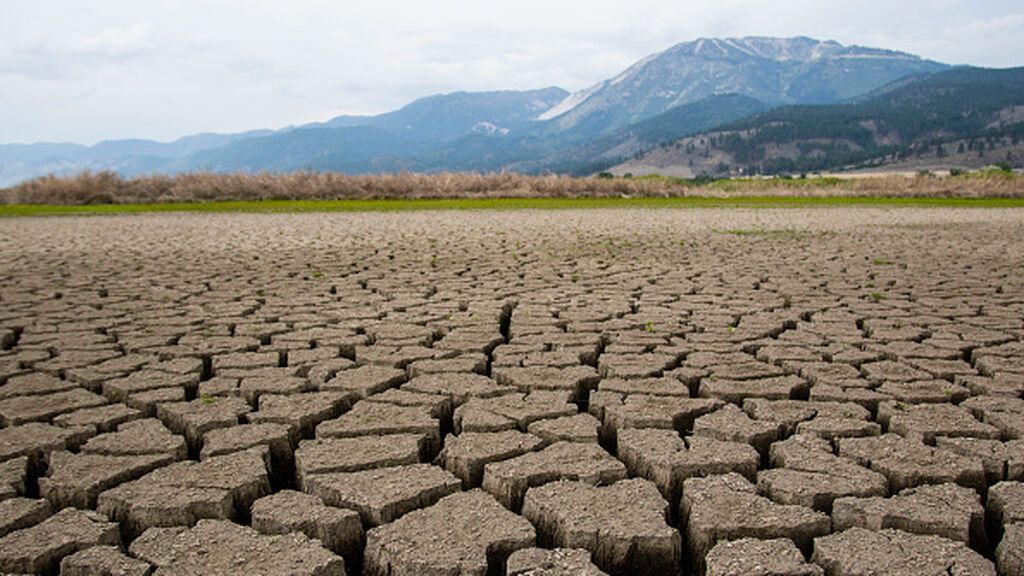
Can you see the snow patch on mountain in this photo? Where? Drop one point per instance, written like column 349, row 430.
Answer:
column 632, row 70
column 744, row 47
column 539, row 104
column 773, row 70
column 489, row 128
column 571, row 102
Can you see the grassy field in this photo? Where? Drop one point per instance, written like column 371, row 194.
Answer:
column 271, row 206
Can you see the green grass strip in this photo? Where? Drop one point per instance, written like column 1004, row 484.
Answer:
column 285, row 206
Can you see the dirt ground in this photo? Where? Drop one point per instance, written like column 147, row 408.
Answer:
column 777, row 391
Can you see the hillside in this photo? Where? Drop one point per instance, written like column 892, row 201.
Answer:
column 965, row 117
column 524, row 148
column 357, row 149
column 445, row 117
column 132, row 156
column 691, row 87
column 772, row 70
column 607, row 150
column 354, row 144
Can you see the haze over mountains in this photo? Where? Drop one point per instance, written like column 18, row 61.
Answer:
column 691, row 87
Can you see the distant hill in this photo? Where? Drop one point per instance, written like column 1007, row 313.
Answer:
column 445, row 117
column 23, row 161
column 772, row 70
column 395, row 140
column 356, row 149
column 609, row 149
column 347, row 143
column 965, row 117
column 641, row 120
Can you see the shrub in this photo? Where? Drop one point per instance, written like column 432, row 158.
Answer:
column 111, row 188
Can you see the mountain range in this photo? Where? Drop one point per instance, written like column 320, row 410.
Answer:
column 636, row 121
column 964, row 118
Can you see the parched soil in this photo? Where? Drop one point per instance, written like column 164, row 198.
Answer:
column 815, row 391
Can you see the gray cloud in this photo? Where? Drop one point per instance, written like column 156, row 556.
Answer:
column 163, row 68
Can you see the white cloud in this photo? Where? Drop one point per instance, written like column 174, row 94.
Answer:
column 76, row 54
column 115, row 43
column 993, row 41
column 73, row 70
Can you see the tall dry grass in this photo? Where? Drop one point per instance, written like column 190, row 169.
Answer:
column 110, row 188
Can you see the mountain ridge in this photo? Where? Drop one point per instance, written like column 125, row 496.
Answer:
column 693, row 84
column 964, row 117
column 774, row 70
column 461, row 112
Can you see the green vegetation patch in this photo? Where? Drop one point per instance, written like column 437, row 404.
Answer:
column 287, row 206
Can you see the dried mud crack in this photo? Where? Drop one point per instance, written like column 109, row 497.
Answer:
column 829, row 391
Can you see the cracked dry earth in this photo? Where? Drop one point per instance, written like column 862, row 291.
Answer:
column 627, row 392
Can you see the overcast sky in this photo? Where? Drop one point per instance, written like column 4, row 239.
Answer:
column 72, row 70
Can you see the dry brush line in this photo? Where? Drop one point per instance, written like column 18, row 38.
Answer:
column 110, row 188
